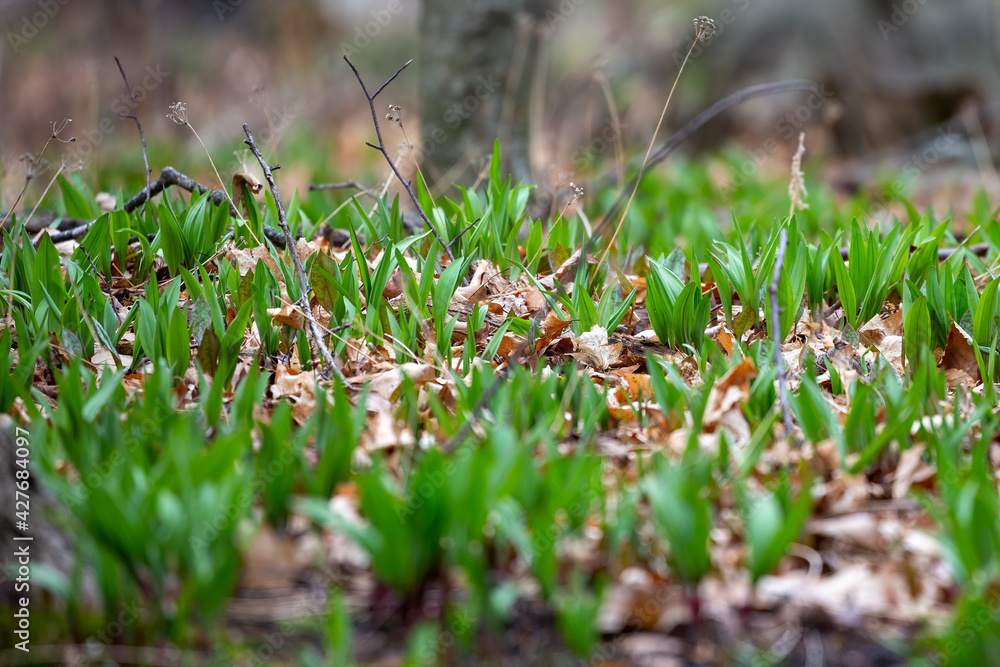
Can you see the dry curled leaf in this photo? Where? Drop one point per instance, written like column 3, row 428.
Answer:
column 592, row 348
column 245, row 179
column 290, row 315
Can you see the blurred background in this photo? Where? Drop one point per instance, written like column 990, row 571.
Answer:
column 909, row 89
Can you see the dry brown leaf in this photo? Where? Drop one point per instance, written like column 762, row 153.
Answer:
column 592, row 348
column 299, row 388
column 486, row 281
column 911, row 469
column 726, row 339
column 269, row 563
column 290, row 315
column 959, row 355
column 385, row 384
column 636, row 385
column 105, row 358
column 247, row 258
column 726, row 398
column 252, row 184
column 876, row 329
column 384, row 432
column 860, row 529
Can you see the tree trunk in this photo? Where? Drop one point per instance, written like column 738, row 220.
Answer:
column 477, row 60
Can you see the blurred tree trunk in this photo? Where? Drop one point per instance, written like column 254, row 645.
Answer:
column 477, row 61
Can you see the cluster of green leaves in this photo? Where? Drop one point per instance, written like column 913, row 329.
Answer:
column 455, row 511
column 678, row 312
column 157, row 505
column 158, row 496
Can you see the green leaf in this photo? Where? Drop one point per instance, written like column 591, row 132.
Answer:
column 984, row 325
column 147, row 332
column 245, row 290
column 201, row 318
column 917, row 329
column 230, row 347
column 178, row 340
column 845, row 289
column 208, row 352
column 77, row 205
column 71, row 343
column 98, row 399
column 324, row 278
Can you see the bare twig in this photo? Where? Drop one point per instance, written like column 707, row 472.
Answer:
column 779, row 361
column 385, row 153
column 661, row 152
column 30, row 165
column 170, row 176
column 135, row 116
column 290, row 247
column 704, row 28
column 346, row 185
column 467, row 228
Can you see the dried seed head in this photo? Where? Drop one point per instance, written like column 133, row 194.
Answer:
column 797, row 185
column 178, row 113
column 704, row 29
column 57, row 129
column 394, row 114
column 33, row 166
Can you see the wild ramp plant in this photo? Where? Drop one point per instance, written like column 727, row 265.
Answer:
column 544, row 470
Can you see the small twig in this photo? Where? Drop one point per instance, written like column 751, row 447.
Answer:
column 290, row 247
column 704, row 28
column 170, row 176
column 779, row 362
column 385, row 153
column 135, row 117
column 661, row 152
column 31, row 165
column 41, row 198
column 467, row 228
column 346, row 185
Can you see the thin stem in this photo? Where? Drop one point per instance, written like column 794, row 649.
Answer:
column 649, row 150
column 385, row 153
column 135, row 117
column 290, row 247
column 56, row 130
column 45, row 192
column 779, row 361
column 232, row 206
